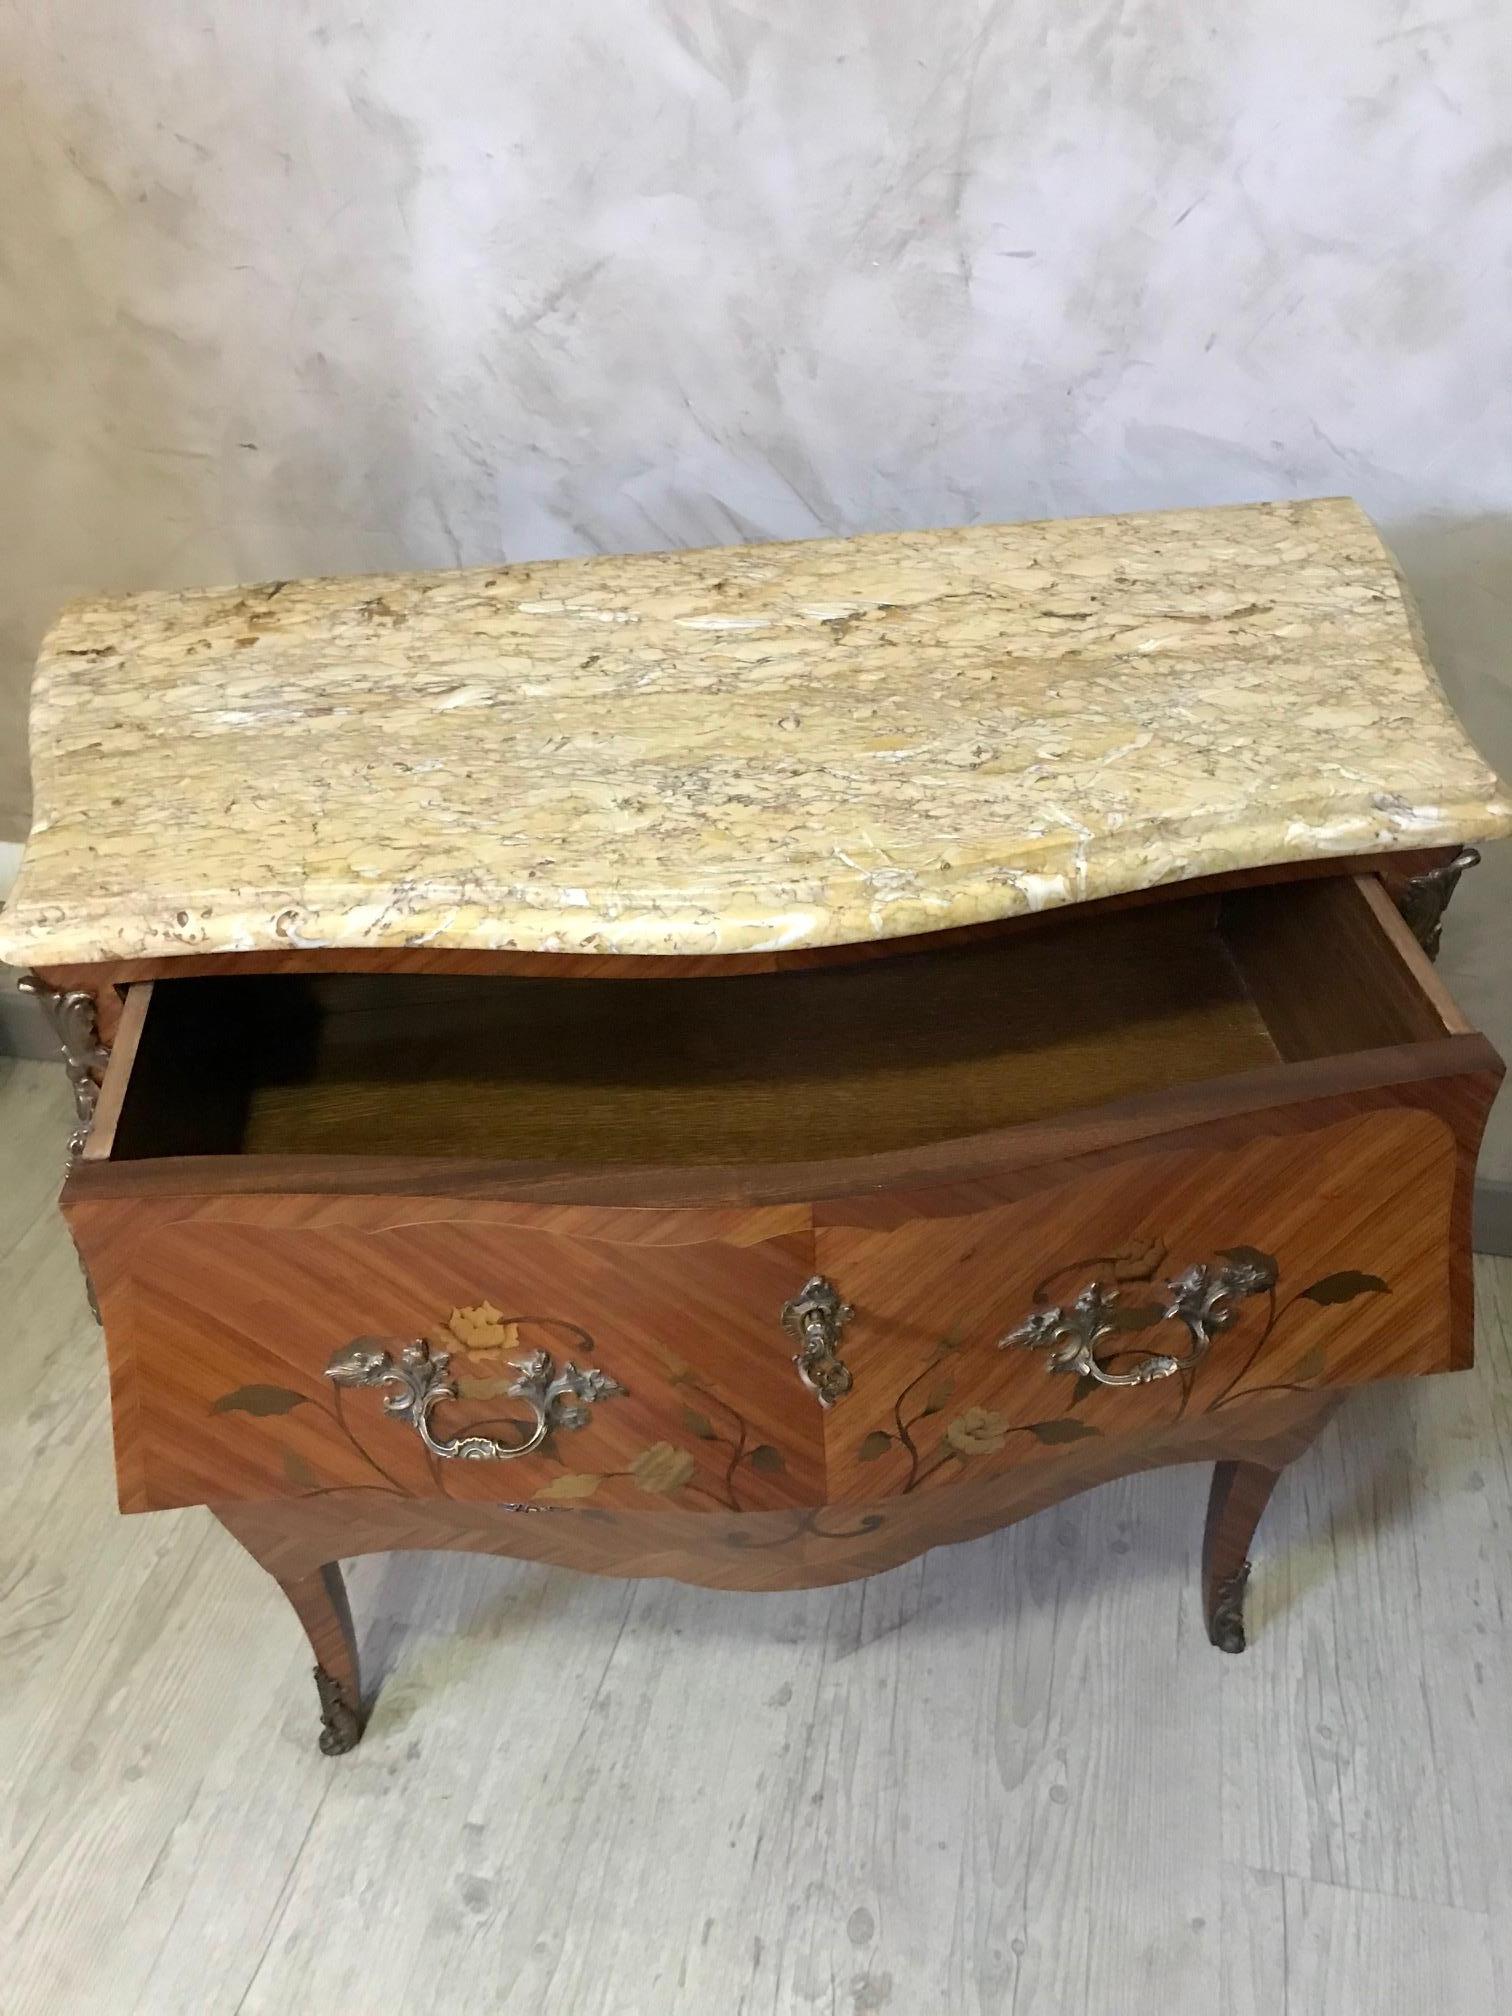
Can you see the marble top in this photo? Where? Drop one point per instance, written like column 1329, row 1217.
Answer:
column 734, row 750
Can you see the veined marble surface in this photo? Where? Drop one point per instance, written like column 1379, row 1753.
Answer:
column 738, row 749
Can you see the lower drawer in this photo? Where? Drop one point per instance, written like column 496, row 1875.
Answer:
column 981, row 1335
column 1266, row 1187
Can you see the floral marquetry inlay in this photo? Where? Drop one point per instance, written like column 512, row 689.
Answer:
column 1108, row 1330
column 482, row 1332
column 1102, row 1335
column 661, row 1469
column 978, row 1432
column 526, row 1366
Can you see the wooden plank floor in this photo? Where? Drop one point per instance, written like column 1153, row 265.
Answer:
column 1009, row 1777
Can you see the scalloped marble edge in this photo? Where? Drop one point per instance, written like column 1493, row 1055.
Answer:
column 712, row 906
column 653, row 927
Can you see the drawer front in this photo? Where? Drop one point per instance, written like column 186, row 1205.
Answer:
column 396, row 1315
column 1321, row 1257
column 224, row 1319
column 1324, row 1256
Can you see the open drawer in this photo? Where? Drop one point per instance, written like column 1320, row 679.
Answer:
column 634, row 1177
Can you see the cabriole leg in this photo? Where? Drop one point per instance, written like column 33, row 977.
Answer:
column 1241, row 1491
column 320, row 1603
column 1240, row 1494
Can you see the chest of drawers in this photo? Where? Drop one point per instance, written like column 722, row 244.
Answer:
column 772, row 1264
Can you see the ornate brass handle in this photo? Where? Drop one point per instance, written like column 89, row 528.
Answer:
column 1203, row 1300
column 557, row 1399
column 815, row 1316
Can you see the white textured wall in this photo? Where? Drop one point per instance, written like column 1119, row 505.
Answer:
column 298, row 288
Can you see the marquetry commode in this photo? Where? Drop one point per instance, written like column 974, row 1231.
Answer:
column 747, row 1065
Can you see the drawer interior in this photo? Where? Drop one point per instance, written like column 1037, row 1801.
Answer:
column 894, row 1052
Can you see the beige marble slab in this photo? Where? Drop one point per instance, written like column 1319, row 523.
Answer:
column 734, row 750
